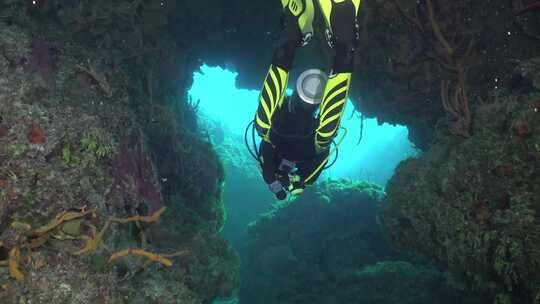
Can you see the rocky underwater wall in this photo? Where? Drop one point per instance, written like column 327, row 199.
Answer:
column 327, row 247
column 412, row 55
column 97, row 137
column 109, row 193
column 463, row 76
column 473, row 205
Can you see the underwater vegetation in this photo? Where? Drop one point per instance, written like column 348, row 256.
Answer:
column 326, row 247
column 402, row 282
column 435, row 57
column 298, row 250
column 111, row 191
column 409, row 52
column 88, row 211
column 473, row 206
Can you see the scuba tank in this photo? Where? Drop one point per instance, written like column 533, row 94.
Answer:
column 309, row 89
column 294, row 124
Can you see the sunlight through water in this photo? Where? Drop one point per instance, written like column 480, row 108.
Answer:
column 374, row 158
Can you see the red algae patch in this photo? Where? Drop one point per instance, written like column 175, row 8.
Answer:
column 3, row 130
column 36, row 135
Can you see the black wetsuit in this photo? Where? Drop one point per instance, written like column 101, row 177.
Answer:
column 292, row 137
column 296, row 136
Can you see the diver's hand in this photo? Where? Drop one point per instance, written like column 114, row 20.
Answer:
column 277, row 188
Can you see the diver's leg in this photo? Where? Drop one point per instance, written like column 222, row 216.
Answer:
column 342, row 34
column 268, row 162
column 309, row 171
column 297, row 29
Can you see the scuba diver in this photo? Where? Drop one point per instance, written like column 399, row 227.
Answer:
column 296, row 139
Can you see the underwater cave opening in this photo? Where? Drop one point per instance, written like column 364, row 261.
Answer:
column 224, row 111
column 369, row 151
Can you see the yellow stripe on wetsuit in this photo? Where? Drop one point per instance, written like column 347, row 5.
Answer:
column 304, row 10
column 327, row 5
column 325, row 160
column 332, row 108
column 271, row 97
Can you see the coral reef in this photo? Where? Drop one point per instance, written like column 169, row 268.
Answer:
column 472, row 205
column 40, row 62
column 134, row 167
column 298, row 251
column 435, row 59
column 67, row 225
column 402, row 282
column 93, row 116
column 77, row 154
column 324, row 248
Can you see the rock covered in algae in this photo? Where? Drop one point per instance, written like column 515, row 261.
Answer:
column 325, row 246
column 300, row 247
column 78, row 147
column 472, row 205
column 402, row 282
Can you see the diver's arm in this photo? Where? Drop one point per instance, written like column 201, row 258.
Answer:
column 271, row 97
column 297, row 29
column 342, row 25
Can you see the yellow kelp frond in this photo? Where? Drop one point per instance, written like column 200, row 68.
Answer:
column 14, row 271
column 36, row 242
column 175, row 254
column 64, row 216
column 28, row 239
column 21, row 226
column 146, row 219
column 168, row 255
column 91, row 242
column 154, row 257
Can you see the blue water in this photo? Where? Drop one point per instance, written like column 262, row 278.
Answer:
column 374, row 159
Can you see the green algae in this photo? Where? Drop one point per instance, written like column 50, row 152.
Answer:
column 471, row 205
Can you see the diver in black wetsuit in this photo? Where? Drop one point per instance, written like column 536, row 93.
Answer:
column 295, row 143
